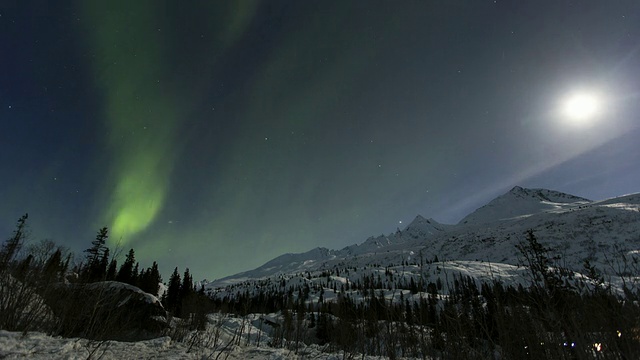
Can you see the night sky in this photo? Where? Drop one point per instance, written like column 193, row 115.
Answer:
column 220, row 134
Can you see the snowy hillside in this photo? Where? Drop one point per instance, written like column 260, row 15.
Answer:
column 576, row 229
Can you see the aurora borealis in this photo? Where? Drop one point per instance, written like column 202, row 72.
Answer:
column 139, row 116
column 218, row 135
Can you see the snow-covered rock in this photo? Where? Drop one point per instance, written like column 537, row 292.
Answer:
column 123, row 311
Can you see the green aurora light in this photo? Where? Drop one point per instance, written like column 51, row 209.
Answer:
column 142, row 114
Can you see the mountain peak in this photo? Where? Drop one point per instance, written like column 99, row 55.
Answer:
column 546, row 195
column 421, row 220
column 521, row 201
column 426, row 227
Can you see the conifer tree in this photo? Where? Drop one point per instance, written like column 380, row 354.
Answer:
column 173, row 299
column 92, row 269
column 95, row 252
column 186, row 288
column 53, row 268
column 101, row 270
column 112, row 270
column 12, row 246
column 142, row 276
column 125, row 274
column 150, row 279
column 155, row 277
column 135, row 275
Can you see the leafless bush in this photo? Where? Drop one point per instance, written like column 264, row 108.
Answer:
column 21, row 307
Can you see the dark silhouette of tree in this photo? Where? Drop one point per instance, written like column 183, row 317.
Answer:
column 101, row 270
column 112, row 270
column 150, row 279
column 186, row 288
column 135, row 275
column 125, row 274
column 537, row 258
column 172, row 299
column 93, row 270
column 54, row 268
column 12, row 246
column 22, row 269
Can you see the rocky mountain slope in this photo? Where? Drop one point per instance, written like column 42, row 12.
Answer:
column 482, row 245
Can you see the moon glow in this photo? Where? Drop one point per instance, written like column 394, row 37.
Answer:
column 581, row 108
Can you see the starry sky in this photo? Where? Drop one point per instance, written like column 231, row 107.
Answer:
column 216, row 135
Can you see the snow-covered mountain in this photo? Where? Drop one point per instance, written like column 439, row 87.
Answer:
column 522, row 202
column 576, row 229
column 423, row 263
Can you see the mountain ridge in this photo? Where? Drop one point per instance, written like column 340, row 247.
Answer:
column 521, row 201
column 571, row 226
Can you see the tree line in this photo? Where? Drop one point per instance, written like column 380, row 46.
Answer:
column 41, row 288
column 556, row 315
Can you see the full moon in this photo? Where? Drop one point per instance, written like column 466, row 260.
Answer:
column 581, row 107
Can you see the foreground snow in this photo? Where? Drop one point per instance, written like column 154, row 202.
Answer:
column 220, row 341
column 14, row 345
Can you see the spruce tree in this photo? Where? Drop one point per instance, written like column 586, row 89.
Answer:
column 12, row 246
column 125, row 274
column 92, row 270
column 187, row 285
column 173, row 299
column 100, row 272
column 154, row 278
column 52, row 270
column 150, row 279
column 112, row 270
column 135, row 275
